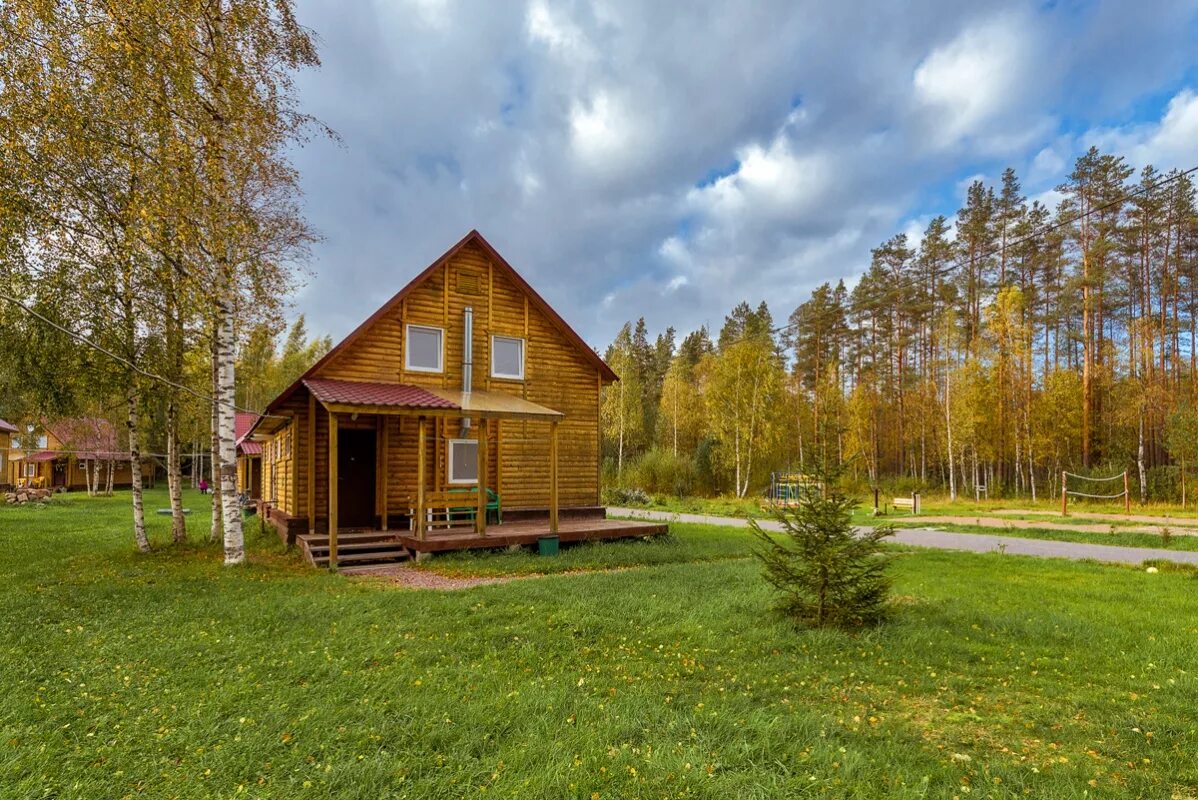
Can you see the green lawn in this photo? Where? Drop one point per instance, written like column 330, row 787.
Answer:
column 170, row 676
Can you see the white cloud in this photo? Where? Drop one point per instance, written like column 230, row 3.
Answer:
column 1170, row 142
column 976, row 78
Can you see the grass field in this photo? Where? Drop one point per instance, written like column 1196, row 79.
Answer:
column 170, row 676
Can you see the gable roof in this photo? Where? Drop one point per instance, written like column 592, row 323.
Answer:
column 86, row 437
column 473, row 237
column 7, row 427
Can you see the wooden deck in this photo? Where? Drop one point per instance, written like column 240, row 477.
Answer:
column 381, row 547
column 527, row 532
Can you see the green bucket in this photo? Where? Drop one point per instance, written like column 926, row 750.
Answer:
column 547, row 545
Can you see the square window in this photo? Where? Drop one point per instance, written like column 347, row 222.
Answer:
column 463, row 461
column 507, row 357
column 423, row 349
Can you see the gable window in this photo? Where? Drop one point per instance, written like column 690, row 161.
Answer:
column 507, row 357
column 423, row 350
column 463, row 461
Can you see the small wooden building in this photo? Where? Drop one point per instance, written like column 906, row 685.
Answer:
column 59, row 453
column 249, row 457
column 463, row 413
column 7, row 429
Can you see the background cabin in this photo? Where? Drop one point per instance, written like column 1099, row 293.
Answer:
column 249, row 457
column 56, row 454
column 463, row 402
column 6, row 431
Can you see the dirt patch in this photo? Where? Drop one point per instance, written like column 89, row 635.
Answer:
column 1145, row 518
column 1009, row 524
column 407, row 577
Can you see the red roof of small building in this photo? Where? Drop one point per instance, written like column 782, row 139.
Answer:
column 249, row 448
column 7, row 427
column 400, row 395
column 87, row 438
column 242, row 422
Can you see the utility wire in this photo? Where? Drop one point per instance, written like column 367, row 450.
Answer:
column 1139, row 190
column 120, row 359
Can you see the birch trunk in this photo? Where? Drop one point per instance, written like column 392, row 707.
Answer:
column 217, row 530
column 1140, row 459
column 948, row 424
column 108, row 480
column 174, row 474
column 225, row 352
column 87, row 477
column 139, row 513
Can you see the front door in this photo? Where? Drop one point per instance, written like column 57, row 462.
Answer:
column 355, row 478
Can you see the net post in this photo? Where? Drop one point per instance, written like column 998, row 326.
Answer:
column 1126, row 494
column 1064, row 485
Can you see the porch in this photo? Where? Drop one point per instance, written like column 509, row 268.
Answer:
column 393, row 546
column 425, row 470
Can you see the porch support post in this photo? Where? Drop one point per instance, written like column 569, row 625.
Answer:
column 383, row 471
column 311, row 463
column 553, row 476
column 332, row 491
column 421, row 457
column 480, row 516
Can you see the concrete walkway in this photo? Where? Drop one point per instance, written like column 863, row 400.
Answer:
column 970, row 542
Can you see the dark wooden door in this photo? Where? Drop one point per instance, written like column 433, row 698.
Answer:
column 355, row 478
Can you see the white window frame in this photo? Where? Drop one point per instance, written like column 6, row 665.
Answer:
column 407, row 350
column 450, row 462
column 523, row 355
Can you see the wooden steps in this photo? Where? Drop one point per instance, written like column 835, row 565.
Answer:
column 366, row 548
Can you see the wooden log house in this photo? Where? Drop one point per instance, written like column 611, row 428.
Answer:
column 464, row 413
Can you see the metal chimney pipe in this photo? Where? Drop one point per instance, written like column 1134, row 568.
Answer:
column 467, row 360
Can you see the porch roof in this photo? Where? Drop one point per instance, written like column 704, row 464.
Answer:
column 357, row 393
column 496, row 404
column 249, row 448
column 383, row 398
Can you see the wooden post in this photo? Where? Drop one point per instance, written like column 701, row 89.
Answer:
column 421, row 457
column 383, row 470
column 332, row 491
column 553, row 476
column 1064, row 501
column 311, row 463
column 480, row 514
column 1126, row 494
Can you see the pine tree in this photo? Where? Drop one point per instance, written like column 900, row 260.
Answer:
column 826, row 572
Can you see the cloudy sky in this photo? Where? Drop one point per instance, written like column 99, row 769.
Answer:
column 663, row 159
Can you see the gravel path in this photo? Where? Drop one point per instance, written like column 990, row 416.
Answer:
column 406, row 576
column 971, row 542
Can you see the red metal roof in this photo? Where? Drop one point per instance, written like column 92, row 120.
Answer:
column 7, row 427
column 242, row 423
column 356, row 393
column 249, row 448
column 44, row 455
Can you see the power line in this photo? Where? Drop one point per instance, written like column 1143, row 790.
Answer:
column 1139, row 190
column 120, row 359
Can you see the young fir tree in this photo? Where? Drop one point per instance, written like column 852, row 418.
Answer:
column 827, row 573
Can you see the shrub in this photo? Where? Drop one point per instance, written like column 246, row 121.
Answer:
column 660, row 471
column 827, row 575
column 619, row 496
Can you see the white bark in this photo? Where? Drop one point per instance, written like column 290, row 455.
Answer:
column 174, row 474
column 217, row 530
column 139, row 514
column 108, row 480
column 225, row 351
column 948, row 424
